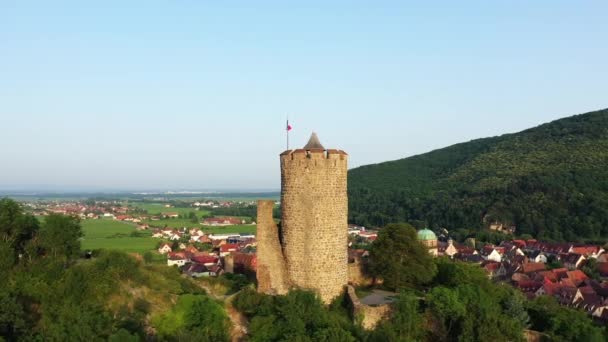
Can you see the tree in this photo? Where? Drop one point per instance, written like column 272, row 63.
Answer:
column 446, row 308
column 405, row 324
column 16, row 228
column 400, row 259
column 60, row 236
column 514, row 307
column 591, row 269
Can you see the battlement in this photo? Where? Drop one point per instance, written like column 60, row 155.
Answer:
column 301, row 154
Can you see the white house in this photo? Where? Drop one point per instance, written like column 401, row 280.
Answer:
column 165, row 248
column 491, row 254
column 538, row 256
column 176, row 259
column 450, row 250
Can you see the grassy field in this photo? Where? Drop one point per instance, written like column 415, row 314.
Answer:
column 173, row 223
column 244, row 228
column 110, row 234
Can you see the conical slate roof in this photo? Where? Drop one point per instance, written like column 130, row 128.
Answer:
column 314, row 143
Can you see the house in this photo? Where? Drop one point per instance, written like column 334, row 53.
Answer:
column 491, row 253
column 175, row 236
column 170, row 215
column 588, row 251
column 196, row 238
column 573, row 261
column 158, row 234
column 222, row 221
column 205, row 259
column 533, row 267
column 495, row 269
column 577, row 277
column 228, row 248
column 602, row 267
column 529, row 287
column 177, row 259
column 196, row 270
column 191, row 249
column 537, row 256
column 471, row 258
column 165, row 248
column 450, row 250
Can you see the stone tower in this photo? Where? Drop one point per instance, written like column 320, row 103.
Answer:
column 314, row 210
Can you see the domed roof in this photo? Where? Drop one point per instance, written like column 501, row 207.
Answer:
column 426, row 234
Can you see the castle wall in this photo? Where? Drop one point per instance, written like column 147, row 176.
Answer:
column 271, row 271
column 368, row 316
column 314, row 220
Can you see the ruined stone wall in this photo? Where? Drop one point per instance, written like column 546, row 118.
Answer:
column 229, row 264
column 271, row 273
column 356, row 276
column 314, row 208
column 368, row 316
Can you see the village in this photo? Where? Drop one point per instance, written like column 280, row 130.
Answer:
column 575, row 274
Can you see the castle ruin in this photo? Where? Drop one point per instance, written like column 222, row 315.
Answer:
column 309, row 251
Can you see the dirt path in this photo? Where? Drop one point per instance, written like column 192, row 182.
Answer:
column 238, row 320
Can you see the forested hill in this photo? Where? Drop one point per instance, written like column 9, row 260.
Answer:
column 550, row 181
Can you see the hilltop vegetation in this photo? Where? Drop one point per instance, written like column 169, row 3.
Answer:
column 550, row 181
column 49, row 293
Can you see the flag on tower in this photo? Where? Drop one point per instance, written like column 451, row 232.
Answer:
column 288, row 126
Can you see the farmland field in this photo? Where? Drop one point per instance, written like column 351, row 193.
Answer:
column 242, row 228
column 110, row 234
column 172, row 223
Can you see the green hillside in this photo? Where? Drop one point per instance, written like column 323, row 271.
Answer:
column 550, row 181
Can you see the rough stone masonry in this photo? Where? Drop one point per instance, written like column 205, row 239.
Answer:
column 310, row 249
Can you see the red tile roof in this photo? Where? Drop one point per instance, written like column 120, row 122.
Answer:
column 533, row 267
column 229, row 247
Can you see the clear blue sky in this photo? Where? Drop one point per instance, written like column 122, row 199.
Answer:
column 192, row 94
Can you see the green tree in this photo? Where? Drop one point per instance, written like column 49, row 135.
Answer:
column 60, row 236
column 400, row 259
column 406, row 323
column 16, row 228
column 447, row 309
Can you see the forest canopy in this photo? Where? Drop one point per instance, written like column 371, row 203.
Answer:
column 550, row 181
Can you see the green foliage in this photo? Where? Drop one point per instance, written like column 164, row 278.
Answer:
column 550, row 181
column 49, row 295
column 591, row 269
column 194, row 315
column 466, row 305
column 406, row 324
column 563, row 324
column 16, row 228
column 59, row 236
column 400, row 259
column 297, row 316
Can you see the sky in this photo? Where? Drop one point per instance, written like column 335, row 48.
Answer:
column 193, row 94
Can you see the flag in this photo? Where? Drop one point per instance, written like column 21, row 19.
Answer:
column 288, row 126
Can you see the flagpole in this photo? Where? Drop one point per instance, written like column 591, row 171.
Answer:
column 287, row 130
